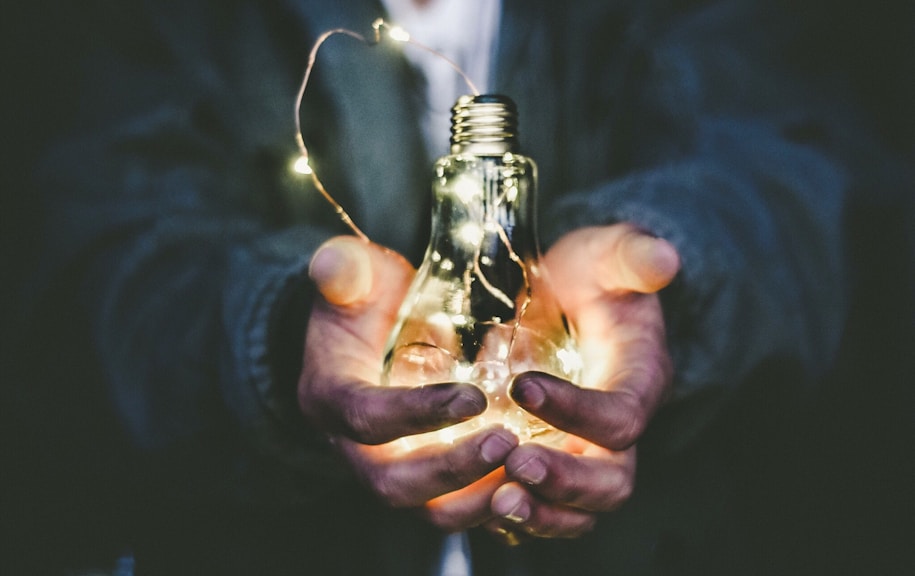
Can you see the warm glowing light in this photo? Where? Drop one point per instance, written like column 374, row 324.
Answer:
column 570, row 360
column 463, row 372
column 470, row 233
column 446, row 435
column 301, row 165
column 511, row 192
column 467, row 189
column 399, row 34
column 459, row 320
column 439, row 319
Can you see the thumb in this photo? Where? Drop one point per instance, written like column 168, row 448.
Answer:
column 639, row 262
column 342, row 270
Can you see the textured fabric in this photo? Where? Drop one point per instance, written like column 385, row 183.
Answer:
column 182, row 238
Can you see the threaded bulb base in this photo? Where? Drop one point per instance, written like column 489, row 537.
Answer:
column 484, row 125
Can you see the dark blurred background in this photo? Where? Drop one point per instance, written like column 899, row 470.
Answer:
column 836, row 497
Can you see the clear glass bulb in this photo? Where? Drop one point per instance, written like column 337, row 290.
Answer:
column 480, row 309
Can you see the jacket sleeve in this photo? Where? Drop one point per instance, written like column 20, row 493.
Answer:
column 727, row 147
column 169, row 210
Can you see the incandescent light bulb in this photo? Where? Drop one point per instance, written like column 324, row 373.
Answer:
column 480, row 308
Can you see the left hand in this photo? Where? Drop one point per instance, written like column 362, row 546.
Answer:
column 607, row 279
column 360, row 288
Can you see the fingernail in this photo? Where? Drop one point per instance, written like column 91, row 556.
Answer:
column 495, row 448
column 512, row 507
column 532, row 472
column 528, row 393
column 464, row 405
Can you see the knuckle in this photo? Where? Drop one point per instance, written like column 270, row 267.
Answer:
column 629, row 423
column 357, row 423
column 454, row 472
column 564, row 489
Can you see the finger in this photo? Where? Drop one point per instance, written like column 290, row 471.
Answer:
column 614, row 419
column 597, row 480
column 362, row 285
column 412, row 479
column 467, row 507
column 522, row 510
column 349, row 340
column 613, row 258
column 638, row 262
column 342, row 270
column 373, row 414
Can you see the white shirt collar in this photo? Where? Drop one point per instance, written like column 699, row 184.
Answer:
column 463, row 30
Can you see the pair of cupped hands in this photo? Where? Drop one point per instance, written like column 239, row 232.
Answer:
column 606, row 279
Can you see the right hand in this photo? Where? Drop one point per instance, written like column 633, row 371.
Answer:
column 361, row 287
column 607, row 279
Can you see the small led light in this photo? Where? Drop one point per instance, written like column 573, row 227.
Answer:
column 399, row 34
column 301, row 165
column 511, row 192
column 467, row 189
column 471, row 234
column 459, row 320
column 570, row 359
column 463, row 372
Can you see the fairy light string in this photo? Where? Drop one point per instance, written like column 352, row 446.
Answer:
column 381, row 30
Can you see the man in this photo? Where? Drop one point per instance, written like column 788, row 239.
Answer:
column 692, row 184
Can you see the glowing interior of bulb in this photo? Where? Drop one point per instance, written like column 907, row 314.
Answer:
column 470, row 233
column 459, row 320
column 439, row 319
column 511, row 190
column 463, row 372
column 570, row 360
column 467, row 188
